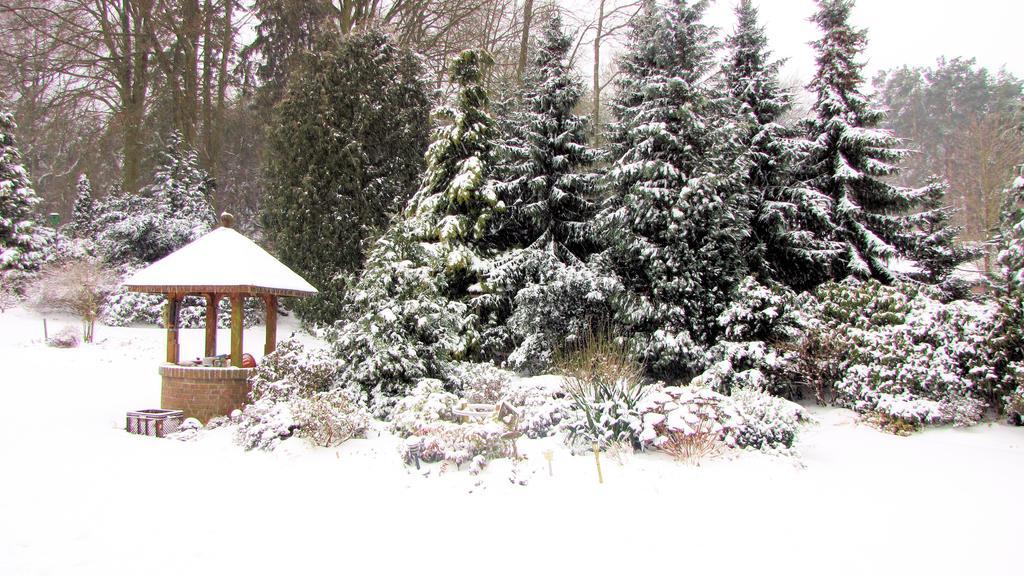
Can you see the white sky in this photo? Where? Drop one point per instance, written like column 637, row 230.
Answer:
column 913, row 32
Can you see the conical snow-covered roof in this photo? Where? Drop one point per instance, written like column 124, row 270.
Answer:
column 221, row 262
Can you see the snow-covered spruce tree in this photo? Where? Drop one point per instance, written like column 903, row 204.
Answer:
column 169, row 213
column 454, row 208
column 346, row 147
column 852, row 159
column 408, row 315
column 936, row 248
column 85, row 212
column 677, row 222
column 546, row 183
column 780, row 247
column 20, row 239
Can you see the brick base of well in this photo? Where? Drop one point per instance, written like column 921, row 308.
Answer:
column 203, row 393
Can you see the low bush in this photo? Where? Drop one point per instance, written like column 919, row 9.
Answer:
column 67, row 337
column 690, row 423
column 294, row 394
column 426, row 418
column 766, row 421
column 902, row 352
column 604, row 385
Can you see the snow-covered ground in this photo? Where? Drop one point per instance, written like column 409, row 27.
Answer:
column 78, row 495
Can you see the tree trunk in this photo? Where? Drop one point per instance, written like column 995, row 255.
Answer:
column 597, row 72
column 525, row 42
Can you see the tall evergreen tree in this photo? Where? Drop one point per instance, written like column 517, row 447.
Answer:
column 853, row 160
column 345, row 150
column 84, row 215
column 780, row 248
column 546, row 181
column 454, row 207
column 20, row 242
column 409, row 314
column 677, row 223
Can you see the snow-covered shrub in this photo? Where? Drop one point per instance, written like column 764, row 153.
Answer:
column 479, row 383
column 294, row 393
column 332, row 417
column 902, row 352
column 758, row 313
column 426, row 404
column 604, row 385
column 79, row 287
column 556, row 309
column 766, row 421
column 426, row 417
column 542, row 403
column 1015, row 407
column 400, row 328
column 758, row 328
column 66, row 337
column 293, row 369
column 461, row 443
column 689, row 423
column 693, row 422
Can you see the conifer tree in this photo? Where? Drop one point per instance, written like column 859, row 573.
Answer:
column 852, row 159
column 183, row 189
column 677, row 223
column 546, row 182
column 454, row 208
column 346, row 148
column 409, row 314
column 21, row 243
column 780, row 248
column 84, row 215
column 170, row 212
column 935, row 246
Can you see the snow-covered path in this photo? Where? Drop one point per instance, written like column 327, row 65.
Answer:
column 80, row 496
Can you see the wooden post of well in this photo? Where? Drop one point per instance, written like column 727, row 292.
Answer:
column 212, row 303
column 237, row 328
column 271, row 325
column 172, row 328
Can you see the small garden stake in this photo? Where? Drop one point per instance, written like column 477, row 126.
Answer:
column 549, row 456
column 597, row 459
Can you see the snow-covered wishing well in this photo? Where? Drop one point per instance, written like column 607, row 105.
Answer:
column 222, row 263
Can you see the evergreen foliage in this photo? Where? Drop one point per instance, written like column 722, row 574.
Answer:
column 409, row 316
column 936, row 248
column 1010, row 339
column 780, row 246
column 547, row 183
column 678, row 222
column 454, row 208
column 169, row 213
column 852, row 160
column 21, row 240
column 84, row 216
column 345, row 150
column 544, row 182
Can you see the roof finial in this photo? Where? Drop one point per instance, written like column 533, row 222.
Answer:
column 227, row 220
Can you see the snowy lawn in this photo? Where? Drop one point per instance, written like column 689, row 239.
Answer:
column 78, row 495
